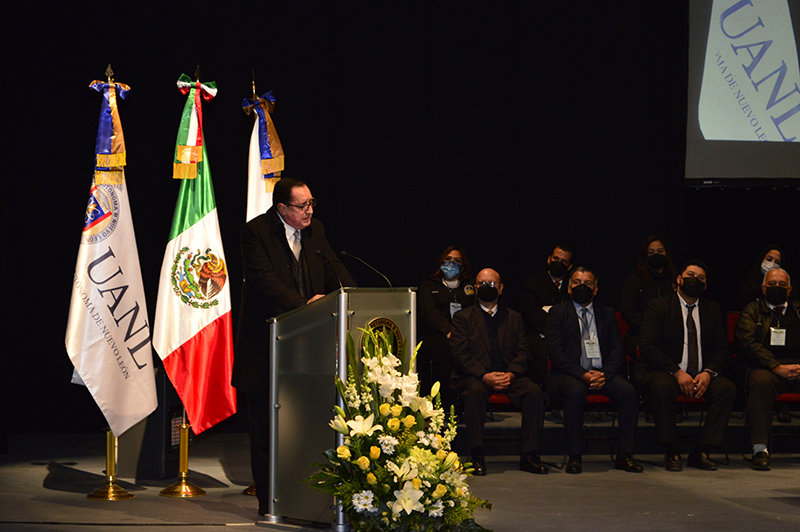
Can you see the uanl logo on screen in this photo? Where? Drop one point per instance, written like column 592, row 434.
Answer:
column 750, row 78
column 102, row 214
column 198, row 277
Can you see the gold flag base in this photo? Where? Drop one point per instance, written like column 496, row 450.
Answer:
column 182, row 489
column 249, row 491
column 110, row 491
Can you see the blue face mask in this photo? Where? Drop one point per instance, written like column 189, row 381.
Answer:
column 450, row 269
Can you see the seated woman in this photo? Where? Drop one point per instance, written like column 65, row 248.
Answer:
column 749, row 288
column 441, row 295
column 655, row 277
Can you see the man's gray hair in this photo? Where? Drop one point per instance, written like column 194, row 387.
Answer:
column 776, row 269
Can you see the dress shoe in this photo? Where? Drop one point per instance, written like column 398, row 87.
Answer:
column 479, row 466
column 783, row 415
column 574, row 465
column 533, row 464
column 625, row 462
column 700, row 460
column 673, row 462
column 761, row 461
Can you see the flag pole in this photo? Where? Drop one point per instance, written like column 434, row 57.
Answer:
column 110, row 491
column 183, row 488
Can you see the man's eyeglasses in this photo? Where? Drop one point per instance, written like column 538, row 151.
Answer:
column 310, row 204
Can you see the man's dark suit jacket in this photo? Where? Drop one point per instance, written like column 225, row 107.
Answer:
column 662, row 335
column 563, row 338
column 271, row 288
column 469, row 343
column 537, row 292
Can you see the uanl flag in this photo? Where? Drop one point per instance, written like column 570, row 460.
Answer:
column 108, row 335
column 192, row 333
column 265, row 161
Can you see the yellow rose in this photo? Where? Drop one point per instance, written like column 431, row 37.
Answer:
column 409, row 421
column 417, row 483
column 343, row 452
column 440, row 491
column 374, row 452
column 385, row 410
column 393, row 424
column 441, row 454
column 371, row 479
column 397, row 410
column 363, row 463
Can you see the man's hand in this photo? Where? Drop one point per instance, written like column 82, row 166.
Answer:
column 498, row 380
column 686, row 382
column 701, row 383
column 594, row 379
column 787, row 371
column 314, row 298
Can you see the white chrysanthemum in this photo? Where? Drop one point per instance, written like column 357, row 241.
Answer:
column 362, row 501
column 437, row 509
column 387, row 443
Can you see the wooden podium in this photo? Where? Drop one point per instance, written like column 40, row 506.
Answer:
column 308, row 347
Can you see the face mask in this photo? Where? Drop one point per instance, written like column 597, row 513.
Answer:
column 657, row 261
column 581, row 294
column 450, row 270
column 767, row 266
column 692, row 286
column 487, row 293
column 557, row 269
column 776, row 295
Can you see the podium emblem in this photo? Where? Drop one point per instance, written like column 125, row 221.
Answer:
column 390, row 328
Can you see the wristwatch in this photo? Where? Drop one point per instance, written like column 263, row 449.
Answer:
column 713, row 374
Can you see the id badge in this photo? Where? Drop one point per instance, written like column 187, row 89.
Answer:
column 777, row 336
column 592, row 349
column 454, row 307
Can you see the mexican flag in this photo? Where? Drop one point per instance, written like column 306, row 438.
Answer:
column 192, row 332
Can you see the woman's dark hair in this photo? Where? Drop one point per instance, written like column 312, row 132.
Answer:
column 752, row 283
column 466, row 267
column 642, row 266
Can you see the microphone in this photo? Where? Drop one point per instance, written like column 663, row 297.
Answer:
column 318, row 252
column 362, row 261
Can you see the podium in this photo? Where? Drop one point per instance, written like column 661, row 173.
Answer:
column 308, row 348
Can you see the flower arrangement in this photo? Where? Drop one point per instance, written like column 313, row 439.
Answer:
column 395, row 470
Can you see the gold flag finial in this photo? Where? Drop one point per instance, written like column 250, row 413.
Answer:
column 197, row 73
column 109, row 73
column 254, row 82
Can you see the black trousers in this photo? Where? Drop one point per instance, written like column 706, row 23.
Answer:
column 574, row 393
column 763, row 388
column 523, row 392
column 663, row 390
column 258, row 408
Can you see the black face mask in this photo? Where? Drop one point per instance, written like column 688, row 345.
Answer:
column 657, row 261
column 776, row 295
column 557, row 269
column 692, row 286
column 581, row 294
column 487, row 293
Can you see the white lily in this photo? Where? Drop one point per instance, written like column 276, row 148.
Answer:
column 408, row 499
column 363, row 427
column 404, row 472
column 339, row 425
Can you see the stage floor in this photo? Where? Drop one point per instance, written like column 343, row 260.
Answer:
column 44, row 481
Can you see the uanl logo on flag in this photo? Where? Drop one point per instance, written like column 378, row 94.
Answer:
column 198, row 277
column 102, row 214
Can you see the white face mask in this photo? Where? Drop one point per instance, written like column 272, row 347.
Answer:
column 767, row 266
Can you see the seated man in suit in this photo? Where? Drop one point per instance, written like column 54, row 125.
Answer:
column 684, row 348
column 490, row 355
column 545, row 288
column 585, row 347
column 768, row 332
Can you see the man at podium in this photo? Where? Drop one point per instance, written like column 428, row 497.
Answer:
column 288, row 263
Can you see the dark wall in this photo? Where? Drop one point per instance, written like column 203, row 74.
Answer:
column 500, row 126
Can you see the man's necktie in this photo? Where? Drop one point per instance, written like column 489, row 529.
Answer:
column 296, row 244
column 693, row 366
column 585, row 362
